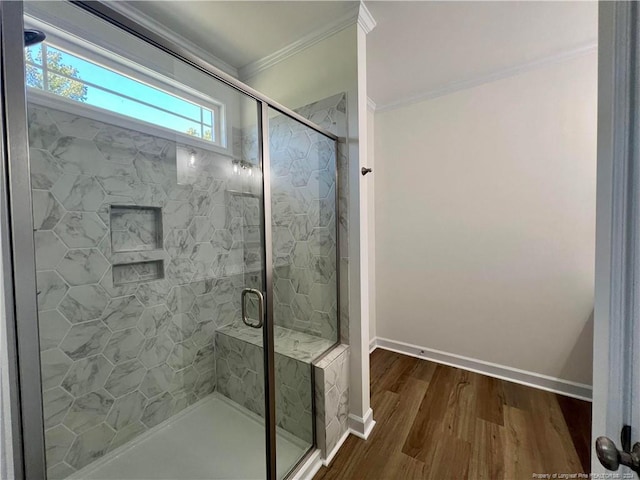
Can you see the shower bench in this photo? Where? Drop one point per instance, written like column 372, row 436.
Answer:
column 239, row 377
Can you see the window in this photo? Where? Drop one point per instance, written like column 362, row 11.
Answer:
column 52, row 69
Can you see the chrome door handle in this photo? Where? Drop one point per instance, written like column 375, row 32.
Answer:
column 245, row 318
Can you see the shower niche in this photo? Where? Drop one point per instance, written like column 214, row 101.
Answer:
column 136, row 243
column 135, row 228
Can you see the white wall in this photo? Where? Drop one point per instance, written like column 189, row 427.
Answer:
column 369, row 185
column 485, row 221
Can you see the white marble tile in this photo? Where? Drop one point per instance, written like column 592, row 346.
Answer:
column 323, row 269
column 204, row 333
column 78, row 229
column 82, row 267
column 90, row 446
column 52, row 329
column 183, row 380
column 201, row 229
column 122, row 313
column 182, row 355
column 205, row 359
column 79, row 192
column 88, row 411
column 301, row 307
column 45, row 170
column 74, row 125
column 156, row 350
column 179, row 271
column 205, row 307
column 85, row 339
column 84, row 303
column 152, row 169
column 179, row 243
column 86, row 375
column 124, row 345
column 126, row 410
column 181, row 327
column 115, row 148
column 205, row 384
column 58, row 440
column 180, row 299
column 157, row 380
column 158, row 410
column 77, row 156
column 51, row 289
column 153, row 293
column 177, row 214
column 47, row 212
column 49, row 250
column 154, row 320
column 125, row 378
column 59, row 471
column 56, row 403
column 126, row 434
column 54, row 366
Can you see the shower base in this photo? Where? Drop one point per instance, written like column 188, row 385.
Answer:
column 214, row 439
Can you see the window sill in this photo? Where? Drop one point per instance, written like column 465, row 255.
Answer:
column 57, row 102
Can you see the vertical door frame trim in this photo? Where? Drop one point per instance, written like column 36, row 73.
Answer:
column 616, row 305
column 18, row 253
column 268, row 345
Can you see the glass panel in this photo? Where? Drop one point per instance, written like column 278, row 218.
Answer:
column 144, row 244
column 303, row 186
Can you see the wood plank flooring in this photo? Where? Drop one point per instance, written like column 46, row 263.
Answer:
column 438, row 422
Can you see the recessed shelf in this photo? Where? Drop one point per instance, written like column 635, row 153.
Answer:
column 138, row 272
column 135, row 228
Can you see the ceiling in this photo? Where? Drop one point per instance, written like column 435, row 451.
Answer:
column 417, row 47
column 421, row 47
column 241, row 32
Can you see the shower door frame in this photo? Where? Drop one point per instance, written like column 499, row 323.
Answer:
column 16, row 238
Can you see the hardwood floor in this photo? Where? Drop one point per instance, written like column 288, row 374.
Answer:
column 439, row 422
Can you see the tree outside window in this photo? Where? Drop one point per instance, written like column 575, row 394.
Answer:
column 58, row 84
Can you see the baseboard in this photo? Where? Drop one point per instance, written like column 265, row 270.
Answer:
column 373, row 344
column 361, row 426
column 523, row 377
column 308, row 468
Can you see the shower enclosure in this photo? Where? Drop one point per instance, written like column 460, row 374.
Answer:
column 174, row 261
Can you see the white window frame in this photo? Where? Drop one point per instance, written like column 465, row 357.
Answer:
column 103, row 58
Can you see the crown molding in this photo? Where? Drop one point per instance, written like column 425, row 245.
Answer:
column 365, row 19
column 453, row 87
column 151, row 23
column 371, row 105
column 358, row 14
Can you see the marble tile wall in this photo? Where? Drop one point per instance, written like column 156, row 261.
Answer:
column 331, row 114
column 240, row 377
column 304, row 220
column 122, row 354
column 332, row 398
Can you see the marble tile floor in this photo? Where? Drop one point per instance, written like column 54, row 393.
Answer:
column 212, row 440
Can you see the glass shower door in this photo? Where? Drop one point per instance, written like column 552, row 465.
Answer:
column 305, row 275
column 147, row 192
